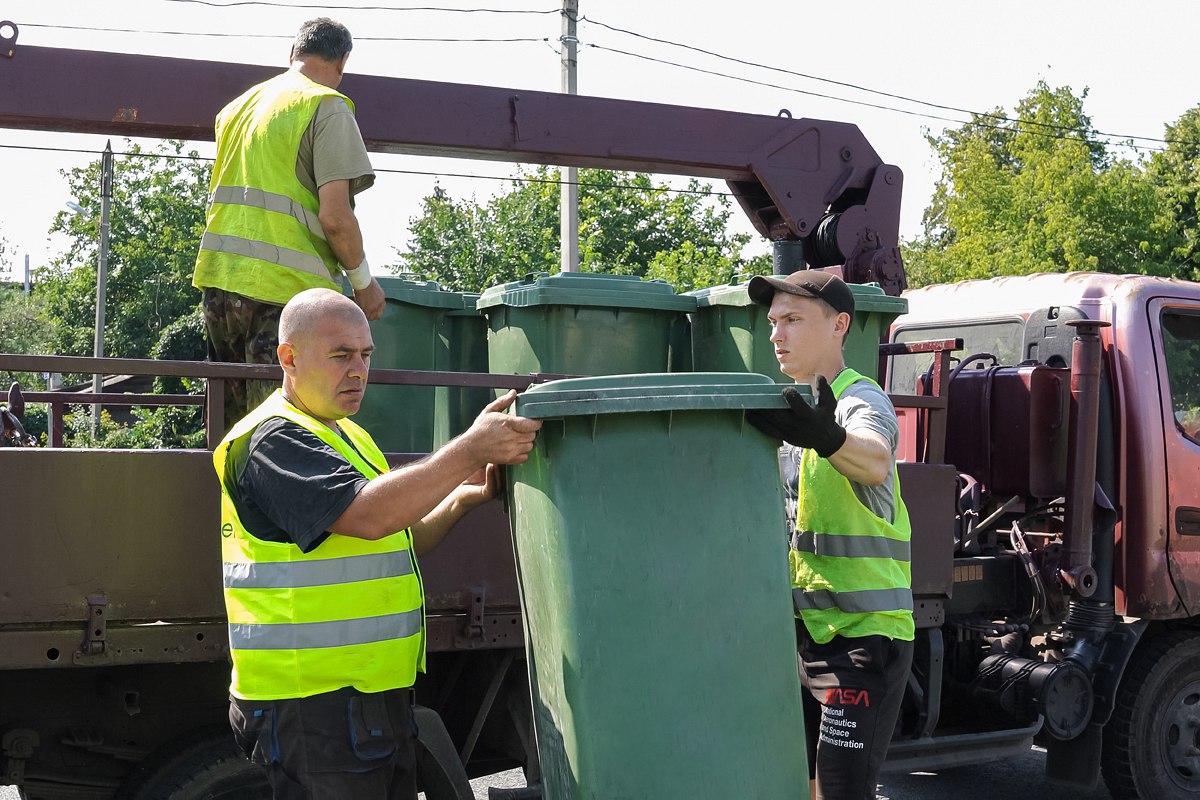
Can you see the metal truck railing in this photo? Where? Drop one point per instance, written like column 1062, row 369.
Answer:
column 215, row 374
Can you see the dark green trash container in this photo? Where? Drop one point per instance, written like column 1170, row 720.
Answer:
column 462, row 347
column 581, row 324
column 730, row 331
column 651, row 547
column 874, row 313
column 407, row 336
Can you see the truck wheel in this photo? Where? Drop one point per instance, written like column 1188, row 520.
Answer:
column 1152, row 742
column 203, row 766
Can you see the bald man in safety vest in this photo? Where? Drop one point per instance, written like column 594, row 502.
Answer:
column 280, row 218
column 850, row 553
column 319, row 549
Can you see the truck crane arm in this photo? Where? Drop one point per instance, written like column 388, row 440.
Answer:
column 815, row 187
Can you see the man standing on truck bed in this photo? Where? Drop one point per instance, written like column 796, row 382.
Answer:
column 319, row 538
column 280, row 217
column 849, row 535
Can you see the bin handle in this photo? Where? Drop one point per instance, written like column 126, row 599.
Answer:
column 531, row 277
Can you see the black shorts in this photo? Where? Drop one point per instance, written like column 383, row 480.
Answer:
column 343, row 744
column 854, row 690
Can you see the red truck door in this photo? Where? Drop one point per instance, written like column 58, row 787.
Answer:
column 1176, row 327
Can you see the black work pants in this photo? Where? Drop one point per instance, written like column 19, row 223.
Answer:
column 854, row 687
column 342, row 744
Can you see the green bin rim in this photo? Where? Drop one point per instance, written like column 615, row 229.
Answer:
column 645, row 392
column 468, row 308
column 424, row 293
column 868, row 297
column 587, row 289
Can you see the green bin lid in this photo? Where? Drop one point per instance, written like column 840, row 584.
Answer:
column 675, row 391
column 587, row 289
column 729, row 294
column 469, row 300
column 424, row 293
column 868, row 297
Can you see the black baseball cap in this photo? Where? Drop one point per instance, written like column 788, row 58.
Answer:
column 805, row 283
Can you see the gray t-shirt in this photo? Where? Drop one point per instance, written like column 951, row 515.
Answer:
column 332, row 149
column 862, row 408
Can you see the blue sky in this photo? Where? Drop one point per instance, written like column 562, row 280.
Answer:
column 1136, row 61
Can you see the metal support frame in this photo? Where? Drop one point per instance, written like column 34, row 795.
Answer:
column 934, row 405
column 790, row 176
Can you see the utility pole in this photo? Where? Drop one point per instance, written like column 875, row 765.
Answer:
column 569, row 197
column 106, row 181
column 28, row 284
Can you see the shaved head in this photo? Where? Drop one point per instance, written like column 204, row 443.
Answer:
column 325, row 350
column 305, row 311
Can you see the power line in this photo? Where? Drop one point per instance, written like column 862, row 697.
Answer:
column 881, row 93
column 559, row 182
column 879, row 106
column 281, row 36
column 515, row 179
column 366, row 8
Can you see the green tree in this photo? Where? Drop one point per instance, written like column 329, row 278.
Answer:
column 1176, row 174
column 1041, row 194
column 627, row 225
column 156, row 220
column 24, row 328
column 5, row 262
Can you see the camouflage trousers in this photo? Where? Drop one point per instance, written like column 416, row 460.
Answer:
column 242, row 331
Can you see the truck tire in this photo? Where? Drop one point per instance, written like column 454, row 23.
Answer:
column 205, row 765
column 1152, row 740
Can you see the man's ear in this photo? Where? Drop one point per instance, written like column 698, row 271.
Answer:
column 842, row 323
column 342, row 64
column 287, row 356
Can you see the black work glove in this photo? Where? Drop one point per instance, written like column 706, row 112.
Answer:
column 801, row 424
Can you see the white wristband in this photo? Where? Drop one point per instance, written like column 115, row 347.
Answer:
column 360, row 276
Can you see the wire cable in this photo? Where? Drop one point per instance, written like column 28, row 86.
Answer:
column 857, row 87
column 368, row 8
column 514, row 178
column 282, row 36
column 559, row 182
column 1083, row 139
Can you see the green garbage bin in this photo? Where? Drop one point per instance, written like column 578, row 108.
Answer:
column 730, row 331
column 581, row 324
column 401, row 418
column 874, row 313
column 652, row 557
column 462, row 347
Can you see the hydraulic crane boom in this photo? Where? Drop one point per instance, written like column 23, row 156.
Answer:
column 814, row 183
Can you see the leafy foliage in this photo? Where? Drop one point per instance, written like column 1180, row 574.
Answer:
column 1044, row 194
column 627, row 225
column 25, row 327
column 156, row 220
column 1176, row 174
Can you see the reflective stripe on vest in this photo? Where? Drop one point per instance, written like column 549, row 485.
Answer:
column 295, row 574
column 263, row 238
column 854, row 583
column 845, row 545
column 264, row 251
column 280, row 204
column 865, row 601
column 340, row 633
column 348, row 613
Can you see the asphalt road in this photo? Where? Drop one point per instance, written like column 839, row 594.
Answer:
column 1002, row 780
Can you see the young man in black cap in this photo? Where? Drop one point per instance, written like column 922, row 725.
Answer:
column 849, row 532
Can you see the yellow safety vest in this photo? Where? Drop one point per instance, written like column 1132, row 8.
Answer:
column 349, row 613
column 262, row 238
column 850, row 568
